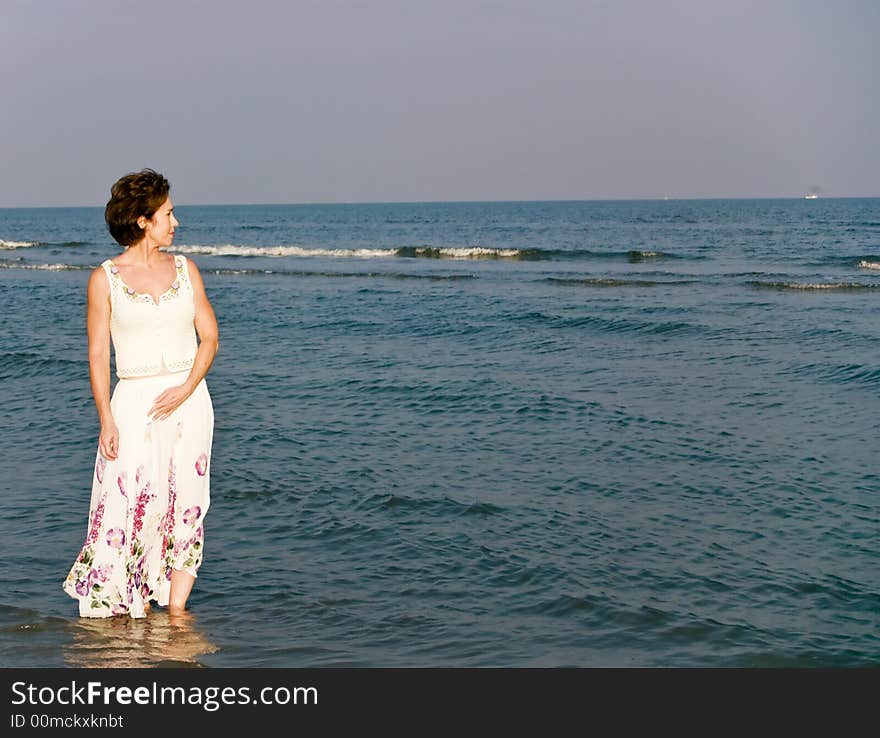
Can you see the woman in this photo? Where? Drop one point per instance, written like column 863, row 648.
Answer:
column 150, row 489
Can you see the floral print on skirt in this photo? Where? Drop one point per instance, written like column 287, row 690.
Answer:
column 148, row 505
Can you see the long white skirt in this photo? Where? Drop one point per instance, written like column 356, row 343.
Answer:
column 148, row 505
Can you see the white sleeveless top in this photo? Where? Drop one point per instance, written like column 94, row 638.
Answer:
column 145, row 333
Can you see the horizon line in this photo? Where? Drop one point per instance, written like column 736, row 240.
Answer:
column 479, row 201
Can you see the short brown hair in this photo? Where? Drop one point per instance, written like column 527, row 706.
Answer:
column 136, row 194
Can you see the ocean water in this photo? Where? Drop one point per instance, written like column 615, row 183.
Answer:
column 480, row 434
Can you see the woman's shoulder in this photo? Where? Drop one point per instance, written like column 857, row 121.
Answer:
column 104, row 268
column 103, row 272
column 99, row 279
column 191, row 267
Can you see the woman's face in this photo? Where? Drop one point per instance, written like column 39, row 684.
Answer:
column 160, row 229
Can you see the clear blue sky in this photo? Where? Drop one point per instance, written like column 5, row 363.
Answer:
column 380, row 100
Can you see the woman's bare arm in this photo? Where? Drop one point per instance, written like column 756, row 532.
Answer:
column 98, row 329
column 206, row 326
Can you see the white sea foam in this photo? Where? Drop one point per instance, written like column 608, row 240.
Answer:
column 17, row 244
column 816, row 285
column 469, row 252
column 41, row 267
column 869, row 264
column 231, row 250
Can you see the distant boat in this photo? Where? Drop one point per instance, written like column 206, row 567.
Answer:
column 811, row 196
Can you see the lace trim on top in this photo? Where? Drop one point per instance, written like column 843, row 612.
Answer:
column 134, row 296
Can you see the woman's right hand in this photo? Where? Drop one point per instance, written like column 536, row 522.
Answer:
column 108, row 441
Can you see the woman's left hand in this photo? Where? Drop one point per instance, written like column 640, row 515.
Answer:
column 168, row 402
